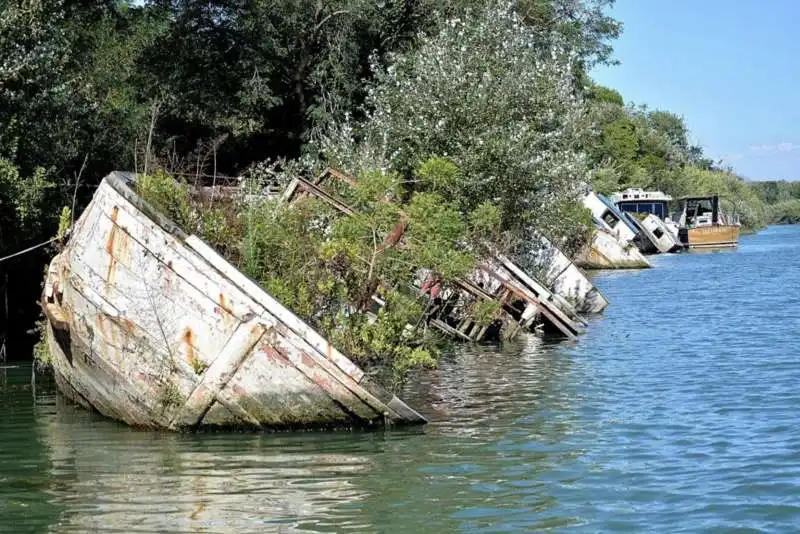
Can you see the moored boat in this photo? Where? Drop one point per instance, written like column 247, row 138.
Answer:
column 150, row 326
column 703, row 224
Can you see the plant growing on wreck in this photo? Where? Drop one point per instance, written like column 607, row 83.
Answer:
column 354, row 277
column 327, row 266
column 485, row 312
column 41, row 353
column 171, row 395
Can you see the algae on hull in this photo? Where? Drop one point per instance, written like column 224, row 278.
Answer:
column 150, row 326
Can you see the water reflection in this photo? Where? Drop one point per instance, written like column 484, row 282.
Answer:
column 500, row 418
column 112, row 479
column 674, row 412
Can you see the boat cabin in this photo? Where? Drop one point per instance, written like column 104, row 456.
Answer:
column 703, row 211
column 635, row 200
column 607, row 216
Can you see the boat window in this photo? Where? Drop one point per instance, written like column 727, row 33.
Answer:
column 659, row 233
column 702, row 206
column 610, row 218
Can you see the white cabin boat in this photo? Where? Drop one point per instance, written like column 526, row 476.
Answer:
column 608, row 217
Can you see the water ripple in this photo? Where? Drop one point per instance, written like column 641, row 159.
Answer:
column 676, row 412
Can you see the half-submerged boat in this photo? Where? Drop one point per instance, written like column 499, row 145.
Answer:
column 606, row 251
column 703, row 224
column 654, row 235
column 525, row 303
column 608, row 217
column 637, row 202
column 563, row 277
column 150, row 326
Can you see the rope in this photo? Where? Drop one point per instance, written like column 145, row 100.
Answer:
column 29, row 249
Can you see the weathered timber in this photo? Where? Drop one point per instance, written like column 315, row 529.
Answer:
column 563, row 277
column 540, row 302
column 152, row 327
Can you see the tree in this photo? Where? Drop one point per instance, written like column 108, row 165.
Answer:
column 487, row 93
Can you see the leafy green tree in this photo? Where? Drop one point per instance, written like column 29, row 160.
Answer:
column 484, row 92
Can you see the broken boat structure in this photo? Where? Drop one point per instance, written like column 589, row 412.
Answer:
column 617, row 241
column 650, row 211
column 150, row 326
column 563, row 277
column 526, row 304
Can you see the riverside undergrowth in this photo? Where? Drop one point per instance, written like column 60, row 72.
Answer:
column 353, row 277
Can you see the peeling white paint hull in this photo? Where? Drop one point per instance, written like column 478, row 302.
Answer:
column 152, row 327
column 607, row 252
column 564, row 278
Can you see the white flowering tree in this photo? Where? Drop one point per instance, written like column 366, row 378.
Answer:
column 496, row 98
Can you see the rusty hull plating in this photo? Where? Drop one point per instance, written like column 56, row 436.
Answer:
column 150, row 326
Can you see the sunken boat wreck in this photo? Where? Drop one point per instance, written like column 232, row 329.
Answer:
column 152, row 327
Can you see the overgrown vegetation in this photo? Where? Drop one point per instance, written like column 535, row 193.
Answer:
column 329, row 267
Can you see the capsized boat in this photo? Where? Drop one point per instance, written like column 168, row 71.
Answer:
column 654, row 235
column 639, row 202
column 606, row 251
column 643, row 240
column 703, row 224
column 150, row 326
column 562, row 276
column 607, row 216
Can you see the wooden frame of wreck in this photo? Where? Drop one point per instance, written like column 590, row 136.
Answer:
column 508, row 282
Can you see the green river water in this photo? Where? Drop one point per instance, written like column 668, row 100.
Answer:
column 677, row 411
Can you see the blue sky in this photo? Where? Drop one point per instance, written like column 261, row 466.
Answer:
column 730, row 67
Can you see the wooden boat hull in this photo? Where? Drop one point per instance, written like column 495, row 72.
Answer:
column 716, row 236
column 564, row 278
column 151, row 327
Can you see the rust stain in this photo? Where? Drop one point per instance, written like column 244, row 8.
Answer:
column 112, row 235
column 225, row 309
column 188, row 341
column 307, row 360
column 116, row 245
column 223, row 304
column 112, row 262
column 196, row 514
